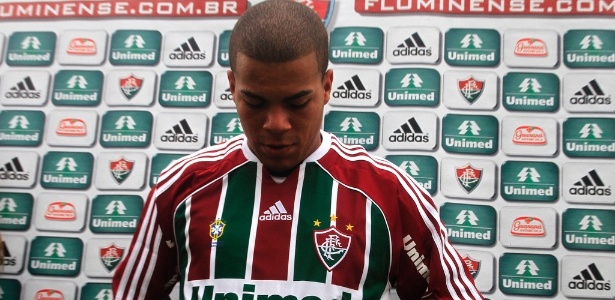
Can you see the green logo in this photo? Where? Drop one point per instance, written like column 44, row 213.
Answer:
column 358, row 45
column 77, row 88
column 588, row 229
column 472, row 47
column 589, row 49
column 528, row 274
column 15, row 211
column 55, row 256
column 135, row 47
column 424, row 169
column 21, row 128
column 470, row 134
column 589, row 137
column 159, row 162
column 531, row 92
column 224, row 126
column 67, row 170
column 223, row 54
column 469, row 224
column 530, row 181
column 115, row 213
column 354, row 128
column 412, row 87
column 96, row 291
column 126, row 128
column 31, row 49
column 185, row 89
column 10, row 289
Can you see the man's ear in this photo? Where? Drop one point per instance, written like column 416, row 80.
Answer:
column 231, row 80
column 327, row 83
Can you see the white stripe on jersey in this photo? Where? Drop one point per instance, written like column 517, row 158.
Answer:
column 334, row 188
column 447, row 256
column 368, row 246
column 186, row 234
column 295, row 224
column 255, row 211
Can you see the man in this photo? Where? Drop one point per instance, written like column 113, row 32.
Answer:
column 287, row 210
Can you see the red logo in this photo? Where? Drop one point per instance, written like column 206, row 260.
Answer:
column 60, row 211
column 121, row 169
column 324, row 8
column 49, row 294
column 82, row 46
column 528, row 226
column 470, row 88
column 331, row 246
column 71, row 127
column 468, row 177
column 472, row 264
column 529, row 135
column 111, row 256
column 531, row 47
column 130, row 86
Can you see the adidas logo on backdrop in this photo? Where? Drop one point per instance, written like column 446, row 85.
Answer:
column 589, row 92
column 276, row 212
column 417, row 132
column 588, row 182
column 189, row 49
column 421, row 46
column 590, row 279
column 588, row 276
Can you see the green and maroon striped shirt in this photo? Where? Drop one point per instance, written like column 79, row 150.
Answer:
column 343, row 225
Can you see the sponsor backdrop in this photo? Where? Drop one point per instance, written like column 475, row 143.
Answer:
column 502, row 109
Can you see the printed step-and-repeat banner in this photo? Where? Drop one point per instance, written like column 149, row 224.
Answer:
column 502, row 109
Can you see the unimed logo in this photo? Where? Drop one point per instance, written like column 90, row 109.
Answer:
column 159, row 162
column 21, row 127
column 354, row 128
column 412, row 87
column 10, row 289
column 185, row 89
column 588, row 229
column 97, row 291
column 55, row 256
column 529, row 181
column 67, row 170
column 224, row 126
column 115, row 213
column 77, row 88
column 472, row 47
column 135, row 47
column 126, row 128
column 31, row 48
column 424, row 169
column 15, row 211
column 359, row 45
column 470, row 224
column 589, row 48
column 528, row 274
column 531, row 92
column 589, row 137
column 473, row 134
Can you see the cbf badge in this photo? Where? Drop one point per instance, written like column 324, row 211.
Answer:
column 472, row 264
column 216, row 229
column 470, row 88
column 468, row 177
column 331, row 246
column 121, row 169
column 111, row 256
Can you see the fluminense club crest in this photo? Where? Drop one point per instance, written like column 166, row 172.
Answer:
column 111, row 256
column 473, row 265
column 468, row 177
column 130, row 86
column 331, row 246
column 121, row 169
column 470, row 88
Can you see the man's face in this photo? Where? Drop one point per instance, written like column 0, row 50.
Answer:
column 280, row 106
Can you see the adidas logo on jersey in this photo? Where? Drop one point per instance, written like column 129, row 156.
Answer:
column 590, row 184
column 275, row 213
column 13, row 170
column 180, row 132
column 590, row 279
column 591, row 93
column 188, row 50
column 409, row 132
column 24, row 89
column 352, row 89
column 412, row 46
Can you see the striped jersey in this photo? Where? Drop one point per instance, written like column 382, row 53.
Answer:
column 342, row 225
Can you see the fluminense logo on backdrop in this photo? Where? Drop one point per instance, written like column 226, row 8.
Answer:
column 224, row 126
column 410, row 130
column 470, row 88
column 588, row 229
column 67, row 170
column 135, row 47
column 356, row 87
column 55, row 256
column 120, row 170
column 185, row 89
column 159, row 162
column 531, row 92
column 359, row 45
column 31, row 48
column 412, row 87
column 354, row 128
column 589, row 137
column 470, row 224
column 115, row 213
column 77, row 88
column 472, row 47
column 472, row 134
column 413, row 45
column 126, row 128
column 529, row 181
column 528, row 274
column 130, row 86
column 470, row 179
column 589, row 48
column 424, row 169
column 589, row 92
column 21, row 128
column 15, row 211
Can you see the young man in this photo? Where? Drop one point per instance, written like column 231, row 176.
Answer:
column 287, row 210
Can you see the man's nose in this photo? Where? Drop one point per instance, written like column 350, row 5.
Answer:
column 277, row 119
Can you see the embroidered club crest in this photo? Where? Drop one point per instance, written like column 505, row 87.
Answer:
column 130, row 86
column 121, row 169
column 473, row 265
column 111, row 256
column 470, row 88
column 216, row 229
column 331, row 246
column 324, row 9
column 468, row 177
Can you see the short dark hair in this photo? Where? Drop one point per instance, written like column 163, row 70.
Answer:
column 280, row 31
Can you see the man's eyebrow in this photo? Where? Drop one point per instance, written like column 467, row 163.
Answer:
column 291, row 97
